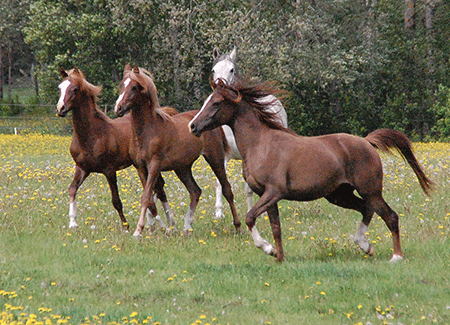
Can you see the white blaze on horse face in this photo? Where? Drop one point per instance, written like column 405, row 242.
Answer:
column 125, row 84
column 201, row 110
column 62, row 90
column 224, row 69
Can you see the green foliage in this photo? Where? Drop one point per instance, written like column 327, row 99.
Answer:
column 441, row 109
column 358, row 67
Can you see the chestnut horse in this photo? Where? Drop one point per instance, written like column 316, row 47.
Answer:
column 99, row 144
column 278, row 164
column 225, row 68
column 163, row 143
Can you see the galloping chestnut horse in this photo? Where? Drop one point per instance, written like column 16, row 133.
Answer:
column 278, row 164
column 225, row 68
column 99, row 144
column 163, row 143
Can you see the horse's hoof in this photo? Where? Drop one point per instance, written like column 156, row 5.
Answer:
column 187, row 233
column 395, row 258
column 73, row 225
column 137, row 234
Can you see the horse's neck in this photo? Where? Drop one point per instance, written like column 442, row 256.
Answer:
column 84, row 122
column 248, row 131
column 144, row 120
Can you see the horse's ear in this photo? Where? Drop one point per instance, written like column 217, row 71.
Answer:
column 75, row 70
column 232, row 94
column 237, row 96
column 127, row 68
column 136, row 69
column 63, row 72
column 216, row 53
column 233, row 54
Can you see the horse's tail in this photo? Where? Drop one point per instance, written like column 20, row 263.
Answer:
column 386, row 139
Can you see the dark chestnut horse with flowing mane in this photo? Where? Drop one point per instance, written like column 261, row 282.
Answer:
column 163, row 143
column 99, row 144
column 278, row 164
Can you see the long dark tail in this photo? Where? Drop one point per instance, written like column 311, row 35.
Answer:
column 386, row 139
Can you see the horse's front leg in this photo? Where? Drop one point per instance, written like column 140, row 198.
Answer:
column 265, row 203
column 147, row 201
column 78, row 178
column 274, row 218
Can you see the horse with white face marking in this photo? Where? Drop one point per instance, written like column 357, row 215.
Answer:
column 225, row 68
column 280, row 165
column 164, row 143
column 99, row 144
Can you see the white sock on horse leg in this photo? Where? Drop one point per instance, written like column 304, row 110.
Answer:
column 361, row 239
column 73, row 214
column 219, row 201
column 261, row 242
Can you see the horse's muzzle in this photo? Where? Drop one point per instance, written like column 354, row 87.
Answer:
column 194, row 130
column 121, row 110
column 61, row 111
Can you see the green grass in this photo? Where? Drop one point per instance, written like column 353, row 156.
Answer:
column 100, row 274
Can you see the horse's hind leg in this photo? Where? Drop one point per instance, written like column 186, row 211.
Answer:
column 219, row 171
column 390, row 217
column 117, row 203
column 343, row 197
column 185, row 176
column 78, row 178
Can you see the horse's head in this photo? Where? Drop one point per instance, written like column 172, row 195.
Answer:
column 135, row 90
column 224, row 66
column 218, row 109
column 73, row 87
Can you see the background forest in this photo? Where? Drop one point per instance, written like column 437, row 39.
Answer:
column 348, row 65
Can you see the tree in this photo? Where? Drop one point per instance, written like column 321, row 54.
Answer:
column 14, row 54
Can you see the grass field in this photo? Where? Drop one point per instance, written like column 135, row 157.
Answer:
column 99, row 274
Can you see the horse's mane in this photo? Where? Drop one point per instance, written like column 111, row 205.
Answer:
column 145, row 79
column 78, row 79
column 256, row 96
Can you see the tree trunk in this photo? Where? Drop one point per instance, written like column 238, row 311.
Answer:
column 429, row 18
column 1, row 73
column 410, row 18
column 9, row 71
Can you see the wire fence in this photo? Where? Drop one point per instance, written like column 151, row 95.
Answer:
column 37, row 118
column 36, row 124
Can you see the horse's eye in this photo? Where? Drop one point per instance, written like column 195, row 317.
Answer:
column 232, row 71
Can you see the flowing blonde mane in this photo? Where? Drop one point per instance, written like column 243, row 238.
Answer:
column 77, row 78
column 145, row 79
